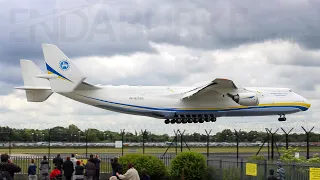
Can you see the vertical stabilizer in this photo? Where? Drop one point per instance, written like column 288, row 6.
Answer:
column 69, row 77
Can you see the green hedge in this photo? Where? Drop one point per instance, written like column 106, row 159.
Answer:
column 155, row 167
column 191, row 164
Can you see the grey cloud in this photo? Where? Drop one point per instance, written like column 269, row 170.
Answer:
column 125, row 27
column 299, row 59
column 300, row 78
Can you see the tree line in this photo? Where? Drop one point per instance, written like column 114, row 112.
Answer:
column 73, row 134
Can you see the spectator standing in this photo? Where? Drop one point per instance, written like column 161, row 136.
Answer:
column 44, row 168
column 11, row 168
column 271, row 175
column 97, row 164
column 79, row 171
column 90, row 168
column 116, row 167
column 281, row 174
column 58, row 161
column 74, row 160
column 68, row 169
column 32, row 171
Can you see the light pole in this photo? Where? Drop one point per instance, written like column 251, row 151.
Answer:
column 32, row 136
column 79, row 136
column 37, row 137
column 104, row 136
column 75, row 138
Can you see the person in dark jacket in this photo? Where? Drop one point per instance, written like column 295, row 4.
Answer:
column 68, row 169
column 44, row 168
column 79, row 171
column 32, row 171
column 90, row 169
column 116, row 167
column 271, row 175
column 97, row 164
column 144, row 175
column 11, row 168
column 58, row 161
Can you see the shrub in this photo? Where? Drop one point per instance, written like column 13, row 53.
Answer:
column 212, row 173
column 191, row 164
column 231, row 173
column 154, row 166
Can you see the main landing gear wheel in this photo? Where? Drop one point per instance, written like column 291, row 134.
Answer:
column 282, row 118
column 185, row 120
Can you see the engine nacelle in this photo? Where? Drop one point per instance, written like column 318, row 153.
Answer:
column 246, row 99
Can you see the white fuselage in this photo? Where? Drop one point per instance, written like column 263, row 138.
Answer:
column 165, row 103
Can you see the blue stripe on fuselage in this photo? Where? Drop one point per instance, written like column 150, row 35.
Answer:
column 180, row 110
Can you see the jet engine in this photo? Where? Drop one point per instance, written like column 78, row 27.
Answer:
column 245, row 99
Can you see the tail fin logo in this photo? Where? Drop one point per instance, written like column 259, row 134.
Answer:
column 64, row 65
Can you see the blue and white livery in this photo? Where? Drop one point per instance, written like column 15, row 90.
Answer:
column 203, row 102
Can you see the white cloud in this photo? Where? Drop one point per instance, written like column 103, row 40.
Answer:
column 247, row 65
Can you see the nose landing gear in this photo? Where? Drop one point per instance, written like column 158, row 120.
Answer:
column 282, row 117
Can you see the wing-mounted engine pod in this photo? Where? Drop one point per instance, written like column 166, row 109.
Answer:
column 245, row 99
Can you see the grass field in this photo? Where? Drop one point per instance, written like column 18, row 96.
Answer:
column 127, row 150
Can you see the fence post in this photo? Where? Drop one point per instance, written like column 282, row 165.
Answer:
column 10, row 139
column 87, row 143
column 49, row 146
column 241, row 169
column 265, row 170
column 221, row 171
column 122, row 138
column 293, row 171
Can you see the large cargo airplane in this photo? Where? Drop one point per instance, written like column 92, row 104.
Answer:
column 204, row 102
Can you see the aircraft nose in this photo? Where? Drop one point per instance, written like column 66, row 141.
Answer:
column 307, row 103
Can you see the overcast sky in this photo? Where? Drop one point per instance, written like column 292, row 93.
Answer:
column 149, row 42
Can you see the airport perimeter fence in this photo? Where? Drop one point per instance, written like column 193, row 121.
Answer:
column 219, row 169
column 259, row 170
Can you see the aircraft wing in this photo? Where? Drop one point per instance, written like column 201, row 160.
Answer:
column 218, row 85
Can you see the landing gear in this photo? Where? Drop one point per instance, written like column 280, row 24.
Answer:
column 191, row 119
column 282, row 118
column 214, row 119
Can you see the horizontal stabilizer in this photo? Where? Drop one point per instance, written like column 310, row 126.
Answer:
column 47, row 76
column 37, row 89
column 33, row 87
column 38, row 95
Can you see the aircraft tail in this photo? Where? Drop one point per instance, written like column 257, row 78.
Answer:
column 68, row 76
column 37, row 89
